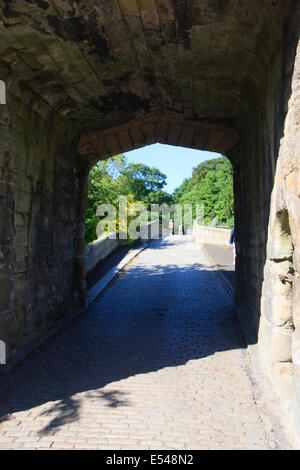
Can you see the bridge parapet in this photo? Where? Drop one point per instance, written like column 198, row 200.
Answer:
column 104, row 246
column 218, row 236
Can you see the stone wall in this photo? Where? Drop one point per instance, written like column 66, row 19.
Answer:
column 211, row 235
column 254, row 162
column 99, row 250
column 279, row 335
column 104, row 246
column 38, row 211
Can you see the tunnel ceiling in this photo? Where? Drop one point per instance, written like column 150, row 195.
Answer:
column 104, row 63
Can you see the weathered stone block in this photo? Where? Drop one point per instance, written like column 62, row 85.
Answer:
column 23, row 202
column 277, row 341
column 296, row 303
column 129, row 6
column 282, row 380
column 295, row 404
column 5, row 292
column 278, row 308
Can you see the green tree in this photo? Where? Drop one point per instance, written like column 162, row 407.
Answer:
column 114, row 177
column 211, row 184
column 102, row 188
column 141, row 180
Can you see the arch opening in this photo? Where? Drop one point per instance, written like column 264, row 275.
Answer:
column 137, row 180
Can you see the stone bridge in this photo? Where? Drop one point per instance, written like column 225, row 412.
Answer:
column 87, row 80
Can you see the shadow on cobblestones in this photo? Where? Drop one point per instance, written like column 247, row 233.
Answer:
column 151, row 317
column 68, row 409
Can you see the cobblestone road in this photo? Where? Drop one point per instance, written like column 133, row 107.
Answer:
column 157, row 362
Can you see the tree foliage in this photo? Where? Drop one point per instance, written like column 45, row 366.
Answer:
column 211, row 184
column 115, row 177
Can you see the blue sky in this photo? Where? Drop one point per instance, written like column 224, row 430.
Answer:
column 175, row 162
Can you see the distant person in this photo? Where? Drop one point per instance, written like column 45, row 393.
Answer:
column 171, row 227
column 232, row 244
column 180, row 229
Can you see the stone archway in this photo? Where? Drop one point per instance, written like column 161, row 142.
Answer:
column 157, row 128
column 86, row 80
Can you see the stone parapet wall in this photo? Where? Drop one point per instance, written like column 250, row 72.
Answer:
column 104, row 246
column 211, row 235
column 99, row 250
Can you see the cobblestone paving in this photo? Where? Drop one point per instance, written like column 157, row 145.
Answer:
column 157, row 362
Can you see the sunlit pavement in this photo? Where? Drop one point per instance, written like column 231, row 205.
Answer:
column 157, row 362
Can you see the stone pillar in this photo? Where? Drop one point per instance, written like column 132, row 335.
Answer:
column 39, row 200
column 279, row 334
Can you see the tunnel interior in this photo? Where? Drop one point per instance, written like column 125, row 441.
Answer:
column 87, row 80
